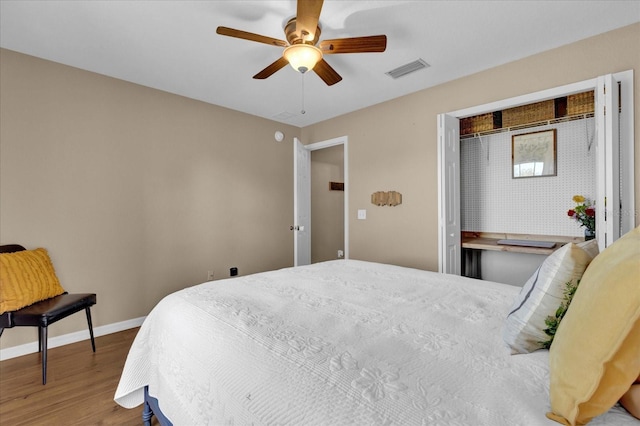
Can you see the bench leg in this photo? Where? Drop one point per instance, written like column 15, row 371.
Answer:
column 43, row 347
column 93, row 342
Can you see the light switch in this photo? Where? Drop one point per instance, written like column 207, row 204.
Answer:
column 362, row 214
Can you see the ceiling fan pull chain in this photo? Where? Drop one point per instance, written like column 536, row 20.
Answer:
column 302, row 111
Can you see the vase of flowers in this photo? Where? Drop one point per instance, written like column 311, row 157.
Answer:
column 584, row 213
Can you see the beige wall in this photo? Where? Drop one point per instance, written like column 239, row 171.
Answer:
column 138, row 193
column 135, row 192
column 327, row 207
column 392, row 146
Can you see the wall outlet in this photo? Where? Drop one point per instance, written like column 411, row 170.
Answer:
column 362, row 214
column 209, row 275
column 340, row 254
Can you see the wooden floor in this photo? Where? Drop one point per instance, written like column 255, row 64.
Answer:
column 79, row 390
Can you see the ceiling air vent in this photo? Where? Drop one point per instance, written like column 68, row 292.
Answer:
column 408, row 68
column 285, row 115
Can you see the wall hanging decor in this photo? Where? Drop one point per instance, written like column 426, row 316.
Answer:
column 534, row 154
column 388, row 198
column 336, row 186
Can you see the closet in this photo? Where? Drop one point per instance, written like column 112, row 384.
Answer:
column 480, row 192
column 501, row 199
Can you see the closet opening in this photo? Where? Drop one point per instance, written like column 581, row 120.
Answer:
column 492, row 216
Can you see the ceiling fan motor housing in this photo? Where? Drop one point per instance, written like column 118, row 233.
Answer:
column 294, row 38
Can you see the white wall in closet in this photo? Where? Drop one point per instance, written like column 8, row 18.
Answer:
column 492, row 201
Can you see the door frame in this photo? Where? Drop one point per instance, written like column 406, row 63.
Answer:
column 344, row 141
column 626, row 129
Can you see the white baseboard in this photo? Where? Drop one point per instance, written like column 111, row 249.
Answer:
column 65, row 339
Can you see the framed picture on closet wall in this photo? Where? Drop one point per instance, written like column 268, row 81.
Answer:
column 534, row 154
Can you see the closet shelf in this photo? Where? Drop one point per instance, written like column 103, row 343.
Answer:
column 571, row 107
column 528, row 125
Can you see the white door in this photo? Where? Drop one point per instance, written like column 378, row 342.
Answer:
column 449, row 237
column 301, row 204
column 608, row 208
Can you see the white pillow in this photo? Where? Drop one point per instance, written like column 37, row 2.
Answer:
column 590, row 247
column 542, row 294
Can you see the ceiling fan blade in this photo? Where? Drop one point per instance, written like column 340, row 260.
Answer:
column 376, row 43
column 250, row 36
column 307, row 17
column 271, row 69
column 327, row 73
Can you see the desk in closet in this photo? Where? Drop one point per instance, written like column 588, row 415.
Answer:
column 473, row 243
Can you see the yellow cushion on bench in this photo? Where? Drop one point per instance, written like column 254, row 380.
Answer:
column 26, row 277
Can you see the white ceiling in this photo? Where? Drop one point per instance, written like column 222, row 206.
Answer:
column 173, row 45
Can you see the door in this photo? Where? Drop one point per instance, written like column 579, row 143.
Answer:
column 608, row 223
column 449, row 237
column 301, row 204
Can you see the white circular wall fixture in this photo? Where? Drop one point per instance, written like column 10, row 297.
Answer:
column 279, row 136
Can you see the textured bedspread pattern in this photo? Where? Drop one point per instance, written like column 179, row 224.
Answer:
column 340, row 342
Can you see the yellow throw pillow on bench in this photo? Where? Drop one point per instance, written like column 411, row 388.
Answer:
column 26, row 277
column 595, row 355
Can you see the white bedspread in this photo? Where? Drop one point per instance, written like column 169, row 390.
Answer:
column 341, row 342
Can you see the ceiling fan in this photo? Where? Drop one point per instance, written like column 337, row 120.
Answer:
column 302, row 50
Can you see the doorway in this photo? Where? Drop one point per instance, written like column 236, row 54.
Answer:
column 302, row 227
column 327, row 204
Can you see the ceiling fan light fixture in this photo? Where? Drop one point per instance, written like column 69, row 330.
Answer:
column 302, row 57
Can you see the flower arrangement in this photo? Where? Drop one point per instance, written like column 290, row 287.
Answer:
column 584, row 212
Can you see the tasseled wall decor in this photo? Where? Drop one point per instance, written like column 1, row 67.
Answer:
column 390, row 198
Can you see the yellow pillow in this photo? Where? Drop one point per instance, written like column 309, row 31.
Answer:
column 595, row 355
column 26, row 277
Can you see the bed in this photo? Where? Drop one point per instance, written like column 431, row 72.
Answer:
column 338, row 342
